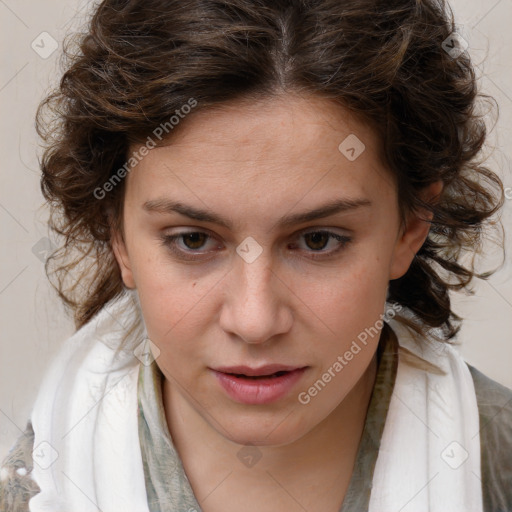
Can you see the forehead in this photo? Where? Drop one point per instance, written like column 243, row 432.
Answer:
column 282, row 147
column 281, row 126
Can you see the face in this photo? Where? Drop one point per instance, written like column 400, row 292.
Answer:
column 236, row 275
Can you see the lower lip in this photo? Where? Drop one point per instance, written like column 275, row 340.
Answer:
column 258, row 391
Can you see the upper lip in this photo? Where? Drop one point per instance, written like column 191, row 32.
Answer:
column 268, row 369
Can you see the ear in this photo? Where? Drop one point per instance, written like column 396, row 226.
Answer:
column 414, row 233
column 121, row 255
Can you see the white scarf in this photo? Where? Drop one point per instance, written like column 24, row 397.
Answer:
column 429, row 457
column 87, row 454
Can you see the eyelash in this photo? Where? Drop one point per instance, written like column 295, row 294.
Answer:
column 168, row 241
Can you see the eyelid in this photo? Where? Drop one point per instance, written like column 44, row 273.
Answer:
column 168, row 241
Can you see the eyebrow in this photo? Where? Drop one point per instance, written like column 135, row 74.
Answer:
column 166, row 206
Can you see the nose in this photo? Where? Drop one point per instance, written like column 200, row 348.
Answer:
column 257, row 304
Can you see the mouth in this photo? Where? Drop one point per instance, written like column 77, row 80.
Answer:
column 258, row 385
column 256, row 377
column 269, row 370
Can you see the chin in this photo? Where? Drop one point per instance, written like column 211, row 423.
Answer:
column 278, row 430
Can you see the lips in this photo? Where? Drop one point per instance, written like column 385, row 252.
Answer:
column 262, row 371
column 261, row 385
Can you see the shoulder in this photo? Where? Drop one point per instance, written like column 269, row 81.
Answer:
column 16, row 483
column 494, row 401
column 495, row 412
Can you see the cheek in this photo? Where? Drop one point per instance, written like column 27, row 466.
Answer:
column 171, row 310
column 171, row 317
column 174, row 305
column 352, row 297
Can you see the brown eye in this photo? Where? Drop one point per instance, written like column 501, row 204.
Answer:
column 317, row 240
column 322, row 244
column 194, row 240
column 188, row 246
column 193, row 246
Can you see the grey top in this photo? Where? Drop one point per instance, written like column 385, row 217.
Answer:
column 168, row 488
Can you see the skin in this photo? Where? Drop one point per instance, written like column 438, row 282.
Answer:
column 253, row 164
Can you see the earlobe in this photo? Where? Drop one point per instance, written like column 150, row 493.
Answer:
column 121, row 255
column 414, row 234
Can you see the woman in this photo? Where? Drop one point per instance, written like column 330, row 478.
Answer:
column 265, row 205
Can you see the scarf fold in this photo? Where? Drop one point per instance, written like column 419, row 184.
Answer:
column 429, row 457
column 87, row 451
column 86, row 445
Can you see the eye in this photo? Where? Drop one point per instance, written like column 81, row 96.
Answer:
column 318, row 240
column 193, row 241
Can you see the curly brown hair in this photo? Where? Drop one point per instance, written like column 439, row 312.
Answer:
column 387, row 61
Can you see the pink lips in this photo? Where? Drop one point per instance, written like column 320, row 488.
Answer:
column 258, row 385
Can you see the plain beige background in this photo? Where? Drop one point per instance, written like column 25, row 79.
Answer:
column 33, row 323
